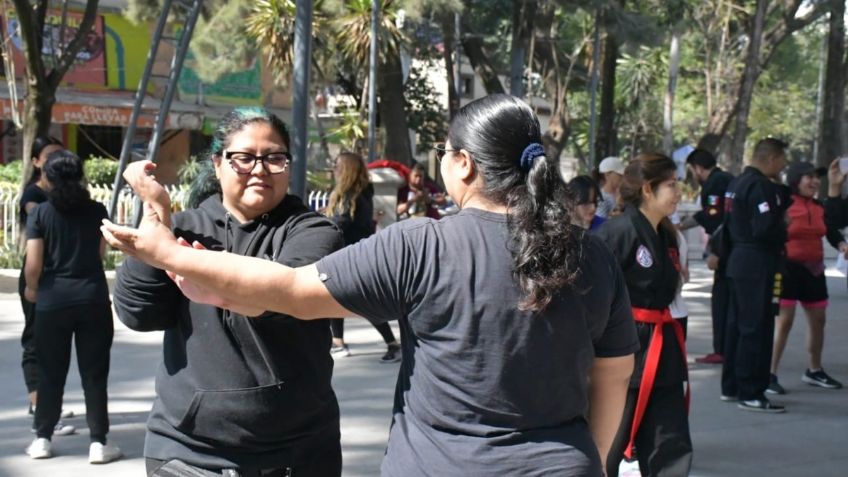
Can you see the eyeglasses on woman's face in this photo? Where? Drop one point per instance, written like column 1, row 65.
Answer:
column 441, row 149
column 245, row 162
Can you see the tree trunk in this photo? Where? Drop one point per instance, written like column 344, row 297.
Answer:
column 668, row 109
column 472, row 45
column 41, row 84
column 392, row 112
column 523, row 13
column 546, row 60
column 833, row 107
column 448, row 27
column 746, row 88
column 607, row 141
column 38, row 108
column 727, row 106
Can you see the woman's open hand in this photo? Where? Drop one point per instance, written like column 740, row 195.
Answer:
column 151, row 242
column 139, row 176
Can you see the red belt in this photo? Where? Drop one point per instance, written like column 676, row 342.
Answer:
column 659, row 318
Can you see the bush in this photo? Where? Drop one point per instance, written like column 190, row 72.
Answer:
column 11, row 257
column 189, row 170
column 12, row 172
column 100, row 170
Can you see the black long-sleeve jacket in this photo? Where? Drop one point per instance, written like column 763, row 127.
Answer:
column 232, row 391
column 712, row 200
column 756, row 222
column 835, row 219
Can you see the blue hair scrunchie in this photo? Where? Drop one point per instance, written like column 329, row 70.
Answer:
column 531, row 152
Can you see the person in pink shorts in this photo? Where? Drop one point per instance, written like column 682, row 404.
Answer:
column 804, row 280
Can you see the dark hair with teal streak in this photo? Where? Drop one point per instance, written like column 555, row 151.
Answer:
column 206, row 184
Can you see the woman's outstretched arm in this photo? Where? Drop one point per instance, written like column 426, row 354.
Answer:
column 228, row 279
column 222, row 278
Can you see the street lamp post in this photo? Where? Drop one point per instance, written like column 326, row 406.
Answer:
column 300, row 102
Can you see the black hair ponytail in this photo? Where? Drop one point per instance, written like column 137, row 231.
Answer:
column 502, row 135
column 63, row 170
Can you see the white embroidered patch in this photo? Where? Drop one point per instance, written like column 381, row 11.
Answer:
column 644, row 257
column 764, row 207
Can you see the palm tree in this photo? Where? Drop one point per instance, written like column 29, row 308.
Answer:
column 352, row 38
column 271, row 25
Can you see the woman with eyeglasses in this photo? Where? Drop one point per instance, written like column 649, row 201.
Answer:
column 516, row 329
column 234, row 392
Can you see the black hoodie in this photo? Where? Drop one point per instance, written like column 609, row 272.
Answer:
column 234, row 391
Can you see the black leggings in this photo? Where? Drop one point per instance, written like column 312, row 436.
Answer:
column 29, row 361
column 337, row 327
column 91, row 328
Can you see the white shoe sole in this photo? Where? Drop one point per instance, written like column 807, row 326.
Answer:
column 813, row 382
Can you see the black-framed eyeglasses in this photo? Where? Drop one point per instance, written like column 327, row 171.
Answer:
column 245, row 162
column 441, row 150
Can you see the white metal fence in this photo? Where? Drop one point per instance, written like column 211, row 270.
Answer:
column 11, row 196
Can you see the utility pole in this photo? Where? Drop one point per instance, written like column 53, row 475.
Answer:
column 457, row 78
column 372, row 81
column 300, row 106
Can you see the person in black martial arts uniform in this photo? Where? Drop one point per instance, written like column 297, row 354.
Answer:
column 713, row 182
column 757, row 232
column 645, row 244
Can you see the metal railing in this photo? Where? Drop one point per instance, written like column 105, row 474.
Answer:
column 10, row 196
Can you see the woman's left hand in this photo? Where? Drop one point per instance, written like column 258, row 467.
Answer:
column 30, row 294
column 152, row 242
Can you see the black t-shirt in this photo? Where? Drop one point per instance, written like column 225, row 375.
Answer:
column 73, row 270
column 483, row 386
column 32, row 193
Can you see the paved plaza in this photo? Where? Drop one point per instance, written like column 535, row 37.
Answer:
column 809, row 440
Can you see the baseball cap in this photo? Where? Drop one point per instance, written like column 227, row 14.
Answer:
column 799, row 169
column 611, row 164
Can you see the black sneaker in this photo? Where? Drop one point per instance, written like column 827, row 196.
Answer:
column 760, row 405
column 392, row 354
column 821, row 379
column 728, row 398
column 774, row 387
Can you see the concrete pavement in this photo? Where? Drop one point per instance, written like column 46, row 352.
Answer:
column 808, row 440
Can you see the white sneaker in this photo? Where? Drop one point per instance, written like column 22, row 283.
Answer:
column 39, row 449
column 61, row 429
column 67, row 414
column 103, row 453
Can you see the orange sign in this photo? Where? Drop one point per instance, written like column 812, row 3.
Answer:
column 71, row 113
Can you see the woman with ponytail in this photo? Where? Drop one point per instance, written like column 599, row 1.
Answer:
column 65, row 280
column 645, row 243
column 34, row 193
column 515, row 324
